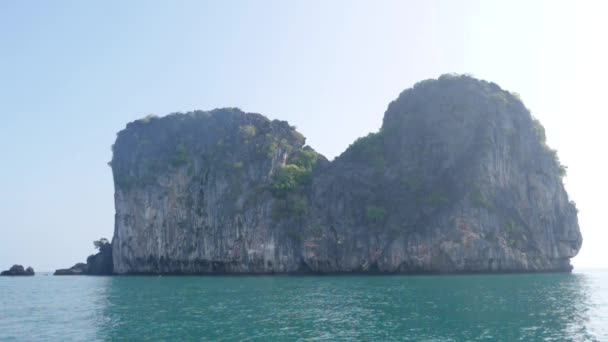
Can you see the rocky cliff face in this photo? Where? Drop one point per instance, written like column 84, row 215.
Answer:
column 458, row 179
column 193, row 194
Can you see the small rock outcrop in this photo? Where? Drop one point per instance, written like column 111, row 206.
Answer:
column 458, row 179
column 78, row 269
column 97, row 264
column 18, row 270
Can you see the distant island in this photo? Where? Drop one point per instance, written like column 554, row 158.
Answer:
column 459, row 179
column 18, row 270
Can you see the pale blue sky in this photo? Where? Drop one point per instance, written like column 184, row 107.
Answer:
column 73, row 73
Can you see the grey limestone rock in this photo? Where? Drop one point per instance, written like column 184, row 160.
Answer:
column 458, row 179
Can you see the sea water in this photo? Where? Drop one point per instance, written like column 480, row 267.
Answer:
column 529, row 307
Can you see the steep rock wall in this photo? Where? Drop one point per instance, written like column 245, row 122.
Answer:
column 192, row 194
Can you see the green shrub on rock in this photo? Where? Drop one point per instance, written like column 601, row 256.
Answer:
column 181, row 155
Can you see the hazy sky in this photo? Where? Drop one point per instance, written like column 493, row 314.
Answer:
column 73, row 73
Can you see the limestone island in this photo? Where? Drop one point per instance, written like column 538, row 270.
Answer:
column 459, row 179
column 18, row 270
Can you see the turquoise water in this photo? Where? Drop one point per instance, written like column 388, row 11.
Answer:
column 372, row 308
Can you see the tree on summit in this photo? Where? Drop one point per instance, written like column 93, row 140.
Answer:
column 102, row 244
